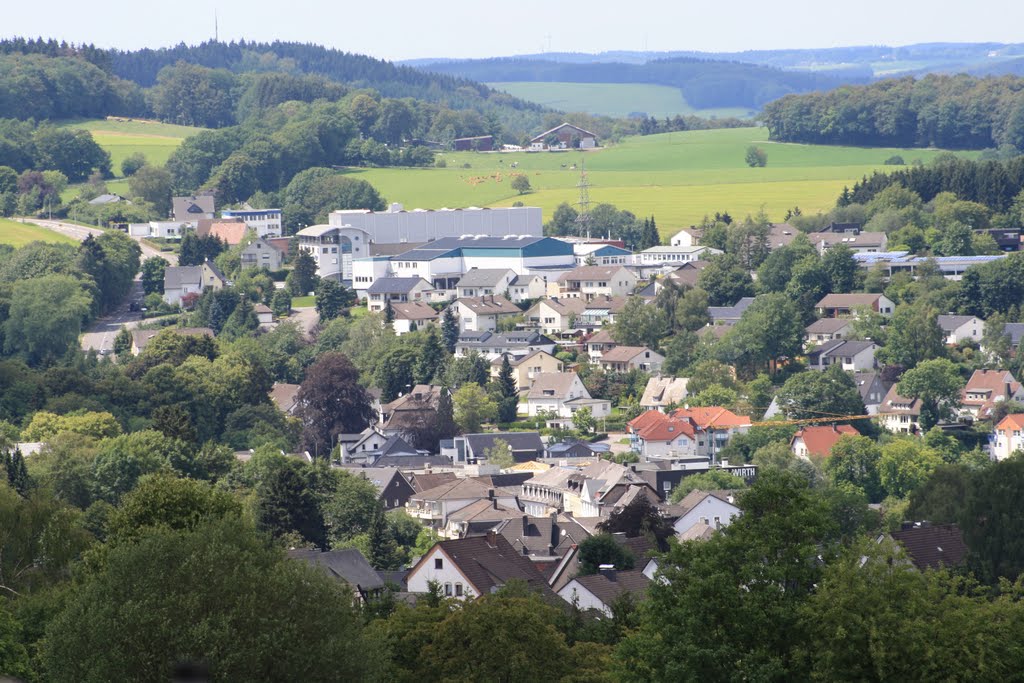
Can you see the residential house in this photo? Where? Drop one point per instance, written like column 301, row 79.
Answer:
column 526, row 367
column 285, row 397
column 264, row 315
column 781, row 235
column 192, row 209
column 818, row 440
column 658, row 436
column 835, row 305
column 672, row 255
column 543, row 539
column 1008, row 437
column 397, row 290
column 492, row 345
column 687, row 237
column 600, row 254
column 826, row 330
column 393, row 489
column 588, row 282
column 713, row 508
column 527, row 288
column 141, row 338
column 264, row 222
column 424, row 481
column 603, row 590
column 985, row 390
column 687, row 274
column 478, row 518
column 564, row 136
column 1007, row 239
column 180, row 281
column 484, row 312
column 576, row 450
column 720, row 423
column 851, row 355
column 555, row 314
column 468, row 568
column 665, row 475
column 662, row 392
column 601, row 311
column 433, row 506
column 335, row 248
column 481, row 282
column 373, row 448
column 473, row 448
column 626, row 358
column 550, row 391
column 858, row 242
column 105, row 199
column 412, row 316
column 598, row 344
column 594, row 490
column 260, row 254
column 899, row 413
column 959, row 328
column 872, row 389
column 729, row 315
column 230, row 231
column 932, row 546
column 348, row 565
column 411, row 410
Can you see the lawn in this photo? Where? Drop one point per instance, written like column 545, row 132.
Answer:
column 303, row 301
column 18, row 234
column 677, row 177
column 613, row 99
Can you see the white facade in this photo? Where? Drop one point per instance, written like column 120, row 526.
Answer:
column 970, row 330
column 713, row 511
column 575, row 593
column 553, row 400
column 527, row 287
column 396, row 225
column 265, row 222
column 481, row 319
column 673, row 255
column 328, row 246
column 437, row 567
column 683, row 238
column 168, row 230
column 499, row 286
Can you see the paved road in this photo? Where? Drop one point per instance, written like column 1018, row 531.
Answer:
column 101, row 333
column 307, row 318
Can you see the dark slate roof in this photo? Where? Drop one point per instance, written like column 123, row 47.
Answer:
column 483, row 277
column 425, row 482
column 930, row 546
column 395, row 577
column 1016, row 332
column 394, row 285
column 542, row 536
column 489, row 567
column 449, row 246
column 733, row 312
column 519, row 442
column 513, row 479
column 347, row 564
column 397, row 446
column 609, row 586
column 176, row 276
column 412, row 461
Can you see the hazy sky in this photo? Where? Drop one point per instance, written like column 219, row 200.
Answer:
column 464, row 28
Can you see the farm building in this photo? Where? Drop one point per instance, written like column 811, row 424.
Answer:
column 480, row 143
column 565, row 136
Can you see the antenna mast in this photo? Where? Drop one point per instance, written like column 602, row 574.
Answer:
column 216, row 30
column 583, row 218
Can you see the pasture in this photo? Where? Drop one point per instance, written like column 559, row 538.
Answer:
column 19, row 234
column 124, row 137
column 677, row 177
column 613, row 99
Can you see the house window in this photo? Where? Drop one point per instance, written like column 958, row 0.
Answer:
column 448, row 589
column 438, row 563
column 458, row 590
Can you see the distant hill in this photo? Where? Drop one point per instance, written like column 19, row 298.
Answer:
column 705, row 84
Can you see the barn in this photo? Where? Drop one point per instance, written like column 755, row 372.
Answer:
column 565, row 136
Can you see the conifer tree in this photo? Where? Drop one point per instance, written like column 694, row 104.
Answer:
column 450, row 329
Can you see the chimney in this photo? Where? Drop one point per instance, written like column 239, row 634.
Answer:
column 492, row 538
column 490, row 494
column 526, row 524
column 607, row 571
column 495, row 505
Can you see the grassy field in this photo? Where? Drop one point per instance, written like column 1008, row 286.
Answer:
column 18, row 234
column 613, row 99
column 125, row 137
column 677, row 177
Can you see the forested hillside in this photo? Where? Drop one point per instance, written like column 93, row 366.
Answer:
column 705, row 84
column 958, row 112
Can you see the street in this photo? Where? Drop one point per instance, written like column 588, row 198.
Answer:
column 100, row 335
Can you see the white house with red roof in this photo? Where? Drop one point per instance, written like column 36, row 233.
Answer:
column 985, row 389
column 1009, row 436
column 818, row 440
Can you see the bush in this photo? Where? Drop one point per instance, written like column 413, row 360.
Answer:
column 132, row 164
column 440, row 163
column 895, row 160
column 756, row 157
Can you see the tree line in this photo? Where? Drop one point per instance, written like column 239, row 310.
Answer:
column 953, row 112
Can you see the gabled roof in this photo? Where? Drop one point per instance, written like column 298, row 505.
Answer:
column 413, row 310
column 395, row 285
column 283, row 396
column 564, row 306
column 841, row 348
column 950, row 323
column 489, row 562
column 688, row 273
column 557, row 383
column 697, row 496
column 484, row 510
column 661, row 391
column 592, row 273
column 701, row 531
column 932, row 546
column 1011, row 421
column 460, row 489
column 516, row 361
column 993, row 385
column 611, row 304
column 347, row 564
column 484, row 277
column 489, row 305
column 734, row 312
column 425, row 482
column 608, row 587
column 230, row 231
column 860, row 239
column 893, row 403
column 624, row 354
column 541, row 136
column 820, row 439
column 176, row 277
column 667, row 429
column 140, row 338
column 848, row 300
column 1016, row 333
column 380, row 477
column 645, row 419
column 602, row 336
column 828, row 325
column 519, row 442
column 712, row 417
column 541, row 536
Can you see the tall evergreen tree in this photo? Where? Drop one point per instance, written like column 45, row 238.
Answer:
column 508, row 406
column 432, row 358
column 450, row 329
column 389, row 313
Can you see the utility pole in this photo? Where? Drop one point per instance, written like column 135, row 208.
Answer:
column 583, row 218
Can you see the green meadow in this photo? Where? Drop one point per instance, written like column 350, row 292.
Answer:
column 677, row 177
column 613, row 99
column 19, row 234
column 124, row 137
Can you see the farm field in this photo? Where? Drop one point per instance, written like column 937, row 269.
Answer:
column 19, row 234
column 677, row 177
column 613, row 99
column 125, row 137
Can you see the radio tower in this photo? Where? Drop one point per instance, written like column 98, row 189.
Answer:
column 583, row 218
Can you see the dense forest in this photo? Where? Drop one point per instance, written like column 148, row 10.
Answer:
column 953, row 112
column 705, row 84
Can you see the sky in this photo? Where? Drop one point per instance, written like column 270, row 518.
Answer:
column 410, row 29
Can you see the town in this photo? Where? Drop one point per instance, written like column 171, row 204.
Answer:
column 261, row 421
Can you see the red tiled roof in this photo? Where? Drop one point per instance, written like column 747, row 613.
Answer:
column 930, row 547
column 646, row 419
column 1012, row 421
column 820, row 440
column 229, row 231
column 667, row 430
column 712, row 417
